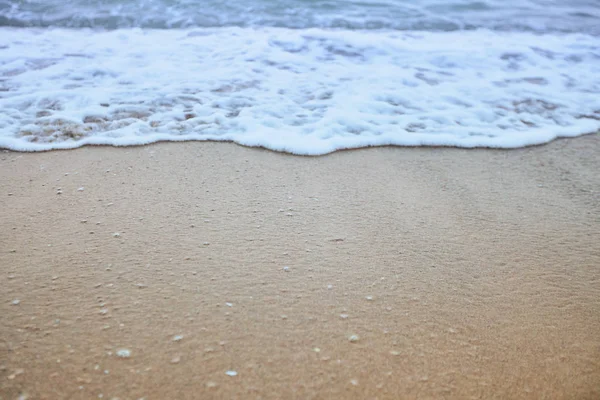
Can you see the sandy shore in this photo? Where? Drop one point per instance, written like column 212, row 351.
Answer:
column 461, row 274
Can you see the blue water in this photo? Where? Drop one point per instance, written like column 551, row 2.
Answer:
column 435, row 15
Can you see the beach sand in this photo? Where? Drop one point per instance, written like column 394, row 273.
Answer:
column 382, row 273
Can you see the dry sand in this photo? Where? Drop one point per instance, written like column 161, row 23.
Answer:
column 463, row 273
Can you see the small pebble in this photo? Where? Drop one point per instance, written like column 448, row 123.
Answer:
column 286, row 269
column 175, row 360
column 16, row 302
column 177, row 338
column 231, row 373
column 123, row 353
column 80, row 189
column 353, row 338
column 369, row 298
column 116, row 234
column 343, row 316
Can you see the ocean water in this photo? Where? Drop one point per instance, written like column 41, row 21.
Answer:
column 300, row 76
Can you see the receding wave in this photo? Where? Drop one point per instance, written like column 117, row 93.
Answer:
column 309, row 91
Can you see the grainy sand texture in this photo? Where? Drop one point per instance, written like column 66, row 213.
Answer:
column 214, row 271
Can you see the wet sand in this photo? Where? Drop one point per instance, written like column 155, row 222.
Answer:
column 383, row 273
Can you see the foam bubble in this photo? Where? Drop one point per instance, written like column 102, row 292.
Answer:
column 306, row 91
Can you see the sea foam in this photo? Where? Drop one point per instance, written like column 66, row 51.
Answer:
column 304, row 91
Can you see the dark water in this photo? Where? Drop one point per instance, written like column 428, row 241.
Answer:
column 434, row 15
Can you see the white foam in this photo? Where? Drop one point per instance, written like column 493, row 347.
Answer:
column 305, row 91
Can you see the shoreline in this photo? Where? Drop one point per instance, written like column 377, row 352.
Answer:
column 260, row 147
column 426, row 272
